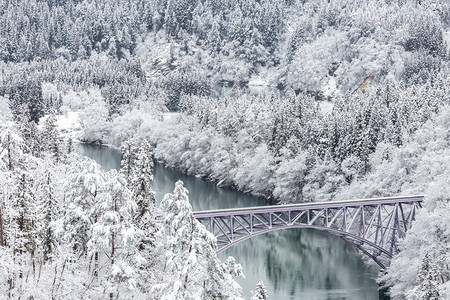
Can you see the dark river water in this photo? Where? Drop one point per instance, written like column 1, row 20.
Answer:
column 301, row 264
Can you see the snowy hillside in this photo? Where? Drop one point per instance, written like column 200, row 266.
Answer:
column 289, row 100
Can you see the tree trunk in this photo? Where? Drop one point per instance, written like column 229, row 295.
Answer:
column 190, row 250
column 111, row 295
column 9, row 153
column 40, row 268
column 2, row 243
column 96, row 264
column 95, row 255
column 113, row 249
column 11, row 286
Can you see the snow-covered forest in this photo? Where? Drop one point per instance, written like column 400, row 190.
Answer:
column 69, row 230
column 352, row 101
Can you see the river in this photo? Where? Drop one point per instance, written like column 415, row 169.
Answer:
column 301, row 264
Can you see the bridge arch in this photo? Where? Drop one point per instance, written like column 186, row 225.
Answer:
column 333, row 232
column 373, row 226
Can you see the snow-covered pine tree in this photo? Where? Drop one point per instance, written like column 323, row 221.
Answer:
column 218, row 277
column 128, row 156
column 260, row 293
column 142, row 178
column 51, row 136
column 16, row 106
column 5, row 181
column 115, row 236
column 180, row 256
column 144, row 217
column 323, row 180
column 20, row 233
column 213, row 37
column 191, row 269
column 12, row 158
column 428, row 280
column 82, row 188
column 12, row 148
column 178, row 17
column 30, row 133
column 48, row 212
column 21, row 209
column 69, row 146
column 289, row 178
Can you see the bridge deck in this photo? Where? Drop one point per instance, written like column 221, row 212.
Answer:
column 314, row 205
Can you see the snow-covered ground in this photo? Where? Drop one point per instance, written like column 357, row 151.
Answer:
column 68, row 124
column 331, row 89
column 258, row 80
column 326, row 107
column 170, row 115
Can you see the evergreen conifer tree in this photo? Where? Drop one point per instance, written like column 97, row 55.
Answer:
column 428, row 279
column 82, row 188
column 21, row 213
column 114, row 235
column 70, row 146
column 51, row 136
column 12, row 149
column 30, row 133
column 128, row 157
column 145, row 217
column 189, row 260
column 48, row 212
column 260, row 293
column 142, row 178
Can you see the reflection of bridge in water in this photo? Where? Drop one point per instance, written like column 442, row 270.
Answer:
column 372, row 225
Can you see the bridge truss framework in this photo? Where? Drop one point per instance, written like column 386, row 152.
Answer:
column 373, row 226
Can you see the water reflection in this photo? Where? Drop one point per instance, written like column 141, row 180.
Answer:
column 294, row 264
column 305, row 264
column 108, row 158
column 203, row 195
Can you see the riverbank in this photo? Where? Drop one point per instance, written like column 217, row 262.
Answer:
column 285, row 149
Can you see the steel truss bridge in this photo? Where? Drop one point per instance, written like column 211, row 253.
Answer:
column 373, row 226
